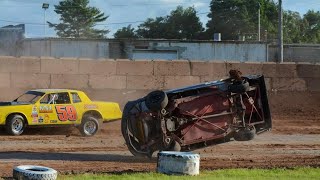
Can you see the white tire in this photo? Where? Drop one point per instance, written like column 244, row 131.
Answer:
column 186, row 163
column 29, row 172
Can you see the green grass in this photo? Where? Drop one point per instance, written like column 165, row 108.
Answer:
column 295, row 173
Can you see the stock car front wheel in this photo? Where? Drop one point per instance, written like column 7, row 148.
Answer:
column 89, row 125
column 15, row 124
column 130, row 141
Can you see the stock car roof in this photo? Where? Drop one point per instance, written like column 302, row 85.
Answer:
column 54, row 90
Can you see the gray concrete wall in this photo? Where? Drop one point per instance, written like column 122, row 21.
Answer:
column 142, row 49
column 11, row 40
column 224, row 51
column 65, row 48
column 296, row 53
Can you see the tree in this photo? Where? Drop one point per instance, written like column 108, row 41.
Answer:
column 234, row 18
column 125, row 32
column 293, row 27
column 312, row 30
column 183, row 24
column 153, row 28
column 180, row 24
column 78, row 20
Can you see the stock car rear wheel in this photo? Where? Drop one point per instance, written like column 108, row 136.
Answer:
column 89, row 125
column 156, row 100
column 174, row 146
column 245, row 134
column 15, row 124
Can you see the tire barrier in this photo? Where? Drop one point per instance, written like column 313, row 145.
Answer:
column 30, row 172
column 184, row 163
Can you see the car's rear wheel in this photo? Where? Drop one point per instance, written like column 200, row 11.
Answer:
column 174, row 146
column 156, row 100
column 15, row 124
column 245, row 134
column 89, row 125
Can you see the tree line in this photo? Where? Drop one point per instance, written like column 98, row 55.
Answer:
column 234, row 19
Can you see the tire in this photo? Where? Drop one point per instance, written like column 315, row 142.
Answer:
column 28, row 172
column 156, row 100
column 124, row 124
column 245, row 134
column 182, row 163
column 89, row 125
column 239, row 88
column 174, row 146
column 15, row 124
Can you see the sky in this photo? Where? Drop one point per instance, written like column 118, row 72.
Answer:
column 121, row 12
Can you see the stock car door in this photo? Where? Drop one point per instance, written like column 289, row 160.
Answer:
column 78, row 104
column 57, row 109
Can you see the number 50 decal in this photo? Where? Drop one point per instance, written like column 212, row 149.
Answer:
column 66, row 113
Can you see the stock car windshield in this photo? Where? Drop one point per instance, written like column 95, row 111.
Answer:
column 29, row 97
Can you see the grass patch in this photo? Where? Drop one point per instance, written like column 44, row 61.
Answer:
column 295, row 173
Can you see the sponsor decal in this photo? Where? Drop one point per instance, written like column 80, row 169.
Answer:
column 90, row 106
column 53, row 121
column 45, row 109
column 35, row 120
column 46, row 119
column 34, row 112
column 40, row 119
column 66, row 113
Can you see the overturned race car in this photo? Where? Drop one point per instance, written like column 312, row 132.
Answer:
column 197, row 116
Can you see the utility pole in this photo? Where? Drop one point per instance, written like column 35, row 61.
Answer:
column 280, row 32
column 45, row 6
column 259, row 27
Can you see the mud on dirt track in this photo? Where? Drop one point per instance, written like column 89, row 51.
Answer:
column 294, row 141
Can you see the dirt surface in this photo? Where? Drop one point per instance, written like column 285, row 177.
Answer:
column 294, row 141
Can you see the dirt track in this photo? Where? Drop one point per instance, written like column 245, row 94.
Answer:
column 294, row 141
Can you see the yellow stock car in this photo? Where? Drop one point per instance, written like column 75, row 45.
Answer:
column 49, row 107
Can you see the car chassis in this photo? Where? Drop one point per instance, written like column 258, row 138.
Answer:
column 196, row 116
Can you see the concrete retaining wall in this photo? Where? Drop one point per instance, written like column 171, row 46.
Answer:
column 123, row 80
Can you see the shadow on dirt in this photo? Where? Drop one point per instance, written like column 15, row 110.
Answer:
column 21, row 155
column 67, row 130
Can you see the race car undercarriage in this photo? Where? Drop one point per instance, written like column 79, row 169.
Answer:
column 196, row 116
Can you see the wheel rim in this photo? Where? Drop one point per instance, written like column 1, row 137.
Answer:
column 17, row 125
column 90, row 127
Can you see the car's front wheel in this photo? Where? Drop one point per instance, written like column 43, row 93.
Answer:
column 15, row 124
column 89, row 125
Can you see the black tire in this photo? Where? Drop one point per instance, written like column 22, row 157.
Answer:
column 124, row 125
column 15, row 124
column 156, row 100
column 28, row 172
column 245, row 134
column 239, row 88
column 174, row 146
column 89, row 120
